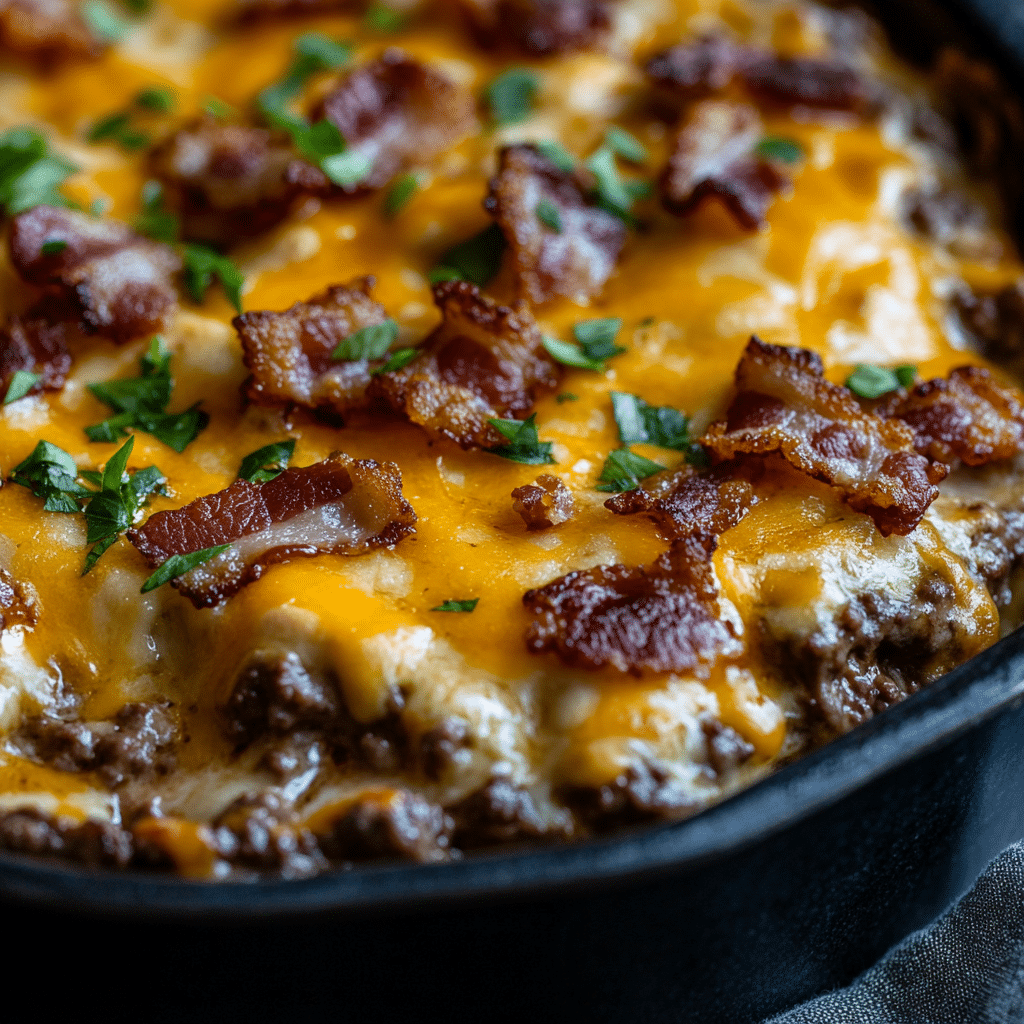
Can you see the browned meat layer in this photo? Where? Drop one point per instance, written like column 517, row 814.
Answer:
column 232, row 181
column 545, row 503
column 257, row 832
column 35, row 344
column 662, row 618
column 47, row 30
column 340, row 506
column 784, row 404
column 119, row 283
column 485, row 361
column 537, row 28
column 289, row 353
column 714, row 158
column 644, row 792
column 397, row 113
column 95, row 843
column 558, row 244
column 500, row 813
column 995, row 320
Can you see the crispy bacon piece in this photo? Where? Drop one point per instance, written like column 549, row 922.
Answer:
column 16, row 606
column 119, row 282
column 289, row 353
column 484, row 362
column 537, row 28
column 37, row 344
column 233, row 181
column 251, row 11
column 342, row 506
column 714, row 158
column 784, row 404
column 398, row 112
column 995, row 320
column 951, row 218
column 47, row 30
column 686, row 503
column 967, row 416
column 693, row 70
column 663, row 617
column 545, row 503
column 575, row 259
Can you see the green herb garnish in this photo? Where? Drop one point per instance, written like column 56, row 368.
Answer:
column 566, row 396
column 53, row 247
column 774, row 147
column 202, row 264
column 478, row 259
column 156, row 221
column 557, row 154
column 641, row 423
column 457, row 606
column 368, row 342
column 595, row 343
column 398, row 360
column 524, row 444
column 157, row 99
column 381, row 18
column 626, row 145
column 178, row 565
column 103, row 21
column 22, row 382
column 266, row 463
column 612, row 192
column 29, row 173
column 511, row 95
column 216, row 107
column 399, row 194
column 117, row 127
column 51, row 474
column 623, row 470
column 548, row 215
column 871, row 382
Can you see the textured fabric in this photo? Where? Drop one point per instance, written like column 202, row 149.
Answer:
column 965, row 968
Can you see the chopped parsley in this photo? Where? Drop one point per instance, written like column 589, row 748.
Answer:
column 568, row 354
column 457, row 606
column 510, row 96
column 641, row 423
column 216, row 107
column 478, row 259
column 103, row 21
column 266, row 463
column 156, row 99
column 22, row 382
column 611, row 191
column 156, row 221
column 368, row 342
column 548, row 215
column 381, row 18
column 29, row 173
column 51, row 474
column 178, row 565
column 53, row 247
column 774, row 147
column 399, row 194
column 524, row 444
column 595, row 343
column 347, row 168
column 566, row 396
column 119, row 126
column 623, row 470
column 870, row 382
column 202, row 264
column 398, row 360
column 557, row 154
column 140, row 403
column 626, row 145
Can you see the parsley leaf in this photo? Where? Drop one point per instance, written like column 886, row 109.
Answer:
column 566, row 396
column 53, row 247
column 623, row 470
column 548, row 215
column 314, row 52
column 29, row 174
column 626, row 145
column 141, row 403
column 477, row 259
column 612, row 192
column 50, row 473
column 368, row 342
column 457, row 606
column 774, row 147
column 595, row 342
column 557, row 154
column 524, row 444
column 156, row 99
column 202, row 264
column 156, row 221
column 347, row 169
column 117, row 127
column 266, row 463
column 399, row 359
column 216, row 107
column 870, row 382
column 22, row 382
column 103, row 21
column 399, row 194
column 178, row 565
column 568, row 354
column 381, row 18
column 511, row 95
column 639, row 422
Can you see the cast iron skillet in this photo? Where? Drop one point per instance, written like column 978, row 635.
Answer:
column 781, row 892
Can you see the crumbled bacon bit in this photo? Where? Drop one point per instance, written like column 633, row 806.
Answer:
column 951, row 218
column 232, row 181
column 340, row 506
column 119, row 282
column 398, row 112
column 545, row 503
column 686, row 503
column 537, row 28
column 968, row 417
column 693, row 70
column 994, row 320
column 47, row 30
column 784, row 404
column 714, row 157
column 485, row 361
column 664, row 617
column 250, row 11
column 36, row 344
column 289, row 353
column 16, row 606
column 574, row 261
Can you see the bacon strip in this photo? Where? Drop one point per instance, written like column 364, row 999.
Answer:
column 694, row 70
column 398, row 113
column 47, row 30
column 232, row 181
column 574, row 260
column 36, row 344
column 664, row 617
column 119, row 282
column 289, row 353
column 537, row 28
column 484, row 362
column 784, row 404
column 252, row 11
column 342, row 506
column 968, row 417
column 714, row 158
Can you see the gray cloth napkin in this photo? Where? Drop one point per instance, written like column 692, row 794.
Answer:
column 965, row 968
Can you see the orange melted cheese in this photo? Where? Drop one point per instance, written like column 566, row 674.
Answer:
column 833, row 271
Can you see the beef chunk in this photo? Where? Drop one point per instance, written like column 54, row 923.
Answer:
column 644, row 792
column 94, row 843
column 545, row 503
column 497, row 814
column 257, row 831
column 439, row 747
column 727, row 749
